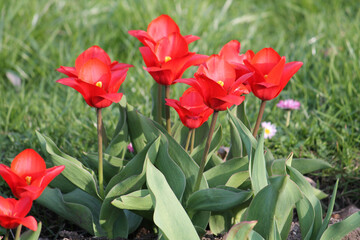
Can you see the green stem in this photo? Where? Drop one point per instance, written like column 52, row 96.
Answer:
column 167, row 109
column 100, row 169
column 18, row 231
column 206, row 151
column 159, row 104
column 188, row 139
column 192, row 141
column 288, row 114
column 259, row 118
column 7, row 234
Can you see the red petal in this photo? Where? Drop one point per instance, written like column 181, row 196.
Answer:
column 12, row 179
column 266, row 55
column 117, row 78
column 29, row 222
column 143, row 37
column 173, row 46
column 93, row 52
column 22, row 207
column 289, row 70
column 230, row 52
column 275, row 74
column 70, row 71
column 28, row 163
column 149, row 57
column 161, row 27
column 93, row 70
column 161, row 76
column 191, row 38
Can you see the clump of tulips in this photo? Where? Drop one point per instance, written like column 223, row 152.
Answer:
column 174, row 177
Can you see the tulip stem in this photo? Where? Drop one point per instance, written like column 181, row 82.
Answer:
column 259, row 118
column 206, row 151
column 159, row 105
column 192, row 141
column 167, row 109
column 100, row 169
column 18, row 231
column 188, row 139
column 7, row 234
column 288, row 114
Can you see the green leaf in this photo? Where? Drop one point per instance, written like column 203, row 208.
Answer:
column 119, row 142
column 31, row 235
column 237, row 179
column 278, row 198
column 169, row 215
column 329, row 212
column 255, row 236
column 220, row 174
column 180, row 133
column 220, row 222
column 258, row 173
column 138, row 200
column 240, row 231
column 74, row 171
column 306, row 214
column 341, row 229
column 303, row 165
column 216, row 199
column 77, row 207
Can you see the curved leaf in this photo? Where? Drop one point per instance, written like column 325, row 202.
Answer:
column 258, row 173
column 31, row 235
column 341, row 229
column 138, row 200
column 240, row 231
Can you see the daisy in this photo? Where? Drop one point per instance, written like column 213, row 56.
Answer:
column 270, row 129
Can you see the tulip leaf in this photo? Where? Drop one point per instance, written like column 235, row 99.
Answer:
column 74, row 171
column 341, row 229
column 255, row 236
column 278, row 198
column 129, row 179
column 258, row 173
column 240, row 231
column 237, row 179
column 119, row 142
column 169, row 215
column 303, row 206
column 220, row 174
column 138, row 200
column 236, row 146
column 303, row 165
column 216, row 199
column 84, row 212
column 32, row 235
column 220, row 222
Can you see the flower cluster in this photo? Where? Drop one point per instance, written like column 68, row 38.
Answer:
column 27, row 178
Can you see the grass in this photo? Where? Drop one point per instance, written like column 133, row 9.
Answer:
column 36, row 37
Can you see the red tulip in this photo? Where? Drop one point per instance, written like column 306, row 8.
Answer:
column 13, row 212
column 217, row 83
column 165, row 52
column 96, row 77
column 28, row 176
column 271, row 73
column 191, row 108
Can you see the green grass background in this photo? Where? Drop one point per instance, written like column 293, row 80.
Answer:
column 37, row 36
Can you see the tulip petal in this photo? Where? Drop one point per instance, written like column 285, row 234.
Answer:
column 266, row 55
column 191, row 38
column 230, row 52
column 93, row 70
column 289, row 70
column 161, row 76
column 94, row 52
column 143, row 37
column 69, row 71
column 29, row 222
column 23, row 206
column 13, row 180
column 149, row 57
column 161, row 27
column 117, row 78
column 173, row 46
column 28, row 163
column 274, row 76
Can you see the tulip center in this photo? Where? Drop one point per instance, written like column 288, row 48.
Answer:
column 28, row 180
column 267, row 131
column 167, row 58
column 265, row 76
column 221, row 83
column 99, row 84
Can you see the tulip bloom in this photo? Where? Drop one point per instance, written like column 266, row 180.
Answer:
column 28, row 176
column 13, row 212
column 165, row 52
column 216, row 82
column 271, row 73
column 191, row 108
column 95, row 77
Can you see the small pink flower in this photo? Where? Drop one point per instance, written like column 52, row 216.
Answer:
column 130, row 148
column 270, row 129
column 288, row 104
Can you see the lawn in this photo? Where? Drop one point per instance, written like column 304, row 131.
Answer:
column 36, row 37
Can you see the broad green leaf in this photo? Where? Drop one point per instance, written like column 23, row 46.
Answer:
column 308, row 192
column 319, row 194
column 130, row 179
column 329, row 212
column 216, row 199
column 303, row 165
column 119, row 141
column 74, row 171
column 220, row 222
column 258, row 171
column 198, row 152
column 220, row 174
column 278, row 198
column 306, row 214
column 32, row 235
column 255, row 236
column 169, row 215
column 240, row 231
column 339, row 230
column 84, row 214
column 138, row 200
column 241, row 114
column 236, row 146
column 237, row 179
